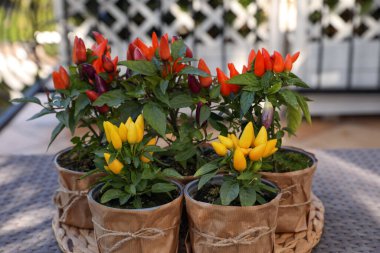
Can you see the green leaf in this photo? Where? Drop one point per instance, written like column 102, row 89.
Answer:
column 142, row 67
column 228, row 192
column 111, row 98
column 43, row 112
column 294, row 118
column 178, row 49
column 246, row 79
column 246, row 100
column 124, row 199
column 296, row 82
column 63, row 117
column 204, row 114
column 110, row 195
column 246, row 175
column 305, row 108
column 205, row 178
column 164, row 85
column 56, row 132
column 152, row 149
column 214, row 91
column 171, row 173
column 163, row 97
column 289, row 98
column 247, row 196
column 26, row 100
column 81, row 102
column 275, row 88
column 190, row 70
column 155, row 117
column 185, row 155
column 163, row 187
column 208, row 167
column 181, row 101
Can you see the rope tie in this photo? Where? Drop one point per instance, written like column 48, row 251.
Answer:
column 144, row 233
column 287, row 193
column 247, row 237
column 74, row 196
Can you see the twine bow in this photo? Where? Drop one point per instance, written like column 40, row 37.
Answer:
column 287, row 193
column 144, row 233
column 74, row 196
column 247, row 237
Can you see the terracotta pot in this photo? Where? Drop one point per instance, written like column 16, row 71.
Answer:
column 226, row 229
column 295, row 203
column 147, row 230
column 71, row 196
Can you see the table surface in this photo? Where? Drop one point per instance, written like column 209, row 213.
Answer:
column 347, row 181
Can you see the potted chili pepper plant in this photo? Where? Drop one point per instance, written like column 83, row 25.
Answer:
column 235, row 212
column 134, row 208
column 267, row 85
column 175, row 98
column 93, row 75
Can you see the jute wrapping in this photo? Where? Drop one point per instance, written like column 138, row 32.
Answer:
column 71, row 196
column 294, row 206
column 150, row 230
column 230, row 229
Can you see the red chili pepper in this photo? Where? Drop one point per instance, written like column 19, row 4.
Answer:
column 278, row 62
column 288, row 63
column 99, row 51
column 61, row 79
column 189, row 53
column 138, row 55
column 130, row 52
column 99, row 38
column 79, row 51
column 155, row 43
column 295, row 56
column 259, row 68
column 233, row 72
column 164, row 49
column 142, row 46
column 222, row 79
column 267, row 60
column 108, row 64
column 244, row 70
column 251, row 57
column 205, row 81
column 178, row 66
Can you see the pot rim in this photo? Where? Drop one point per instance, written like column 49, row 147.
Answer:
column 91, row 199
column 60, row 168
column 305, row 170
column 194, row 183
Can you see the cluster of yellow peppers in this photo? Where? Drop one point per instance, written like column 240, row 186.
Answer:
column 131, row 132
column 255, row 147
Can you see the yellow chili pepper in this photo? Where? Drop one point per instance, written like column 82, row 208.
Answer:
column 261, row 137
column 115, row 166
column 132, row 133
column 240, row 164
column 151, row 142
column 140, row 121
column 115, row 138
column 245, row 151
column 107, row 131
column 247, row 136
column 257, row 152
column 234, row 139
column 128, row 122
column 123, row 132
column 219, row 148
column 270, row 147
column 227, row 142
column 140, row 133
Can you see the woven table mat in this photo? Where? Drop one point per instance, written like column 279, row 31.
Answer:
column 72, row 239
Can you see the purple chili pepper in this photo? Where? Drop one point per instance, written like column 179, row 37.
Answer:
column 100, row 84
column 87, row 71
column 267, row 114
column 194, row 84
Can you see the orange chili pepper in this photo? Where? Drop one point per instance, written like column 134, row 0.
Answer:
column 222, row 79
column 233, row 72
column 267, row 60
column 61, row 79
column 79, row 51
column 164, row 49
column 295, row 56
column 251, row 57
column 288, row 63
column 205, row 81
column 278, row 63
column 259, row 68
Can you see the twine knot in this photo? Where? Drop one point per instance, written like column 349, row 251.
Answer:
column 73, row 197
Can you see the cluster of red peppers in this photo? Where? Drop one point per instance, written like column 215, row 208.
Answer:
column 260, row 63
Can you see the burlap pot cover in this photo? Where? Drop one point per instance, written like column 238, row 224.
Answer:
column 296, row 198
column 149, row 230
column 230, row 229
column 71, row 196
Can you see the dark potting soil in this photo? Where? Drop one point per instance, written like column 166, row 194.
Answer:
column 209, row 193
column 288, row 161
column 147, row 201
column 71, row 161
